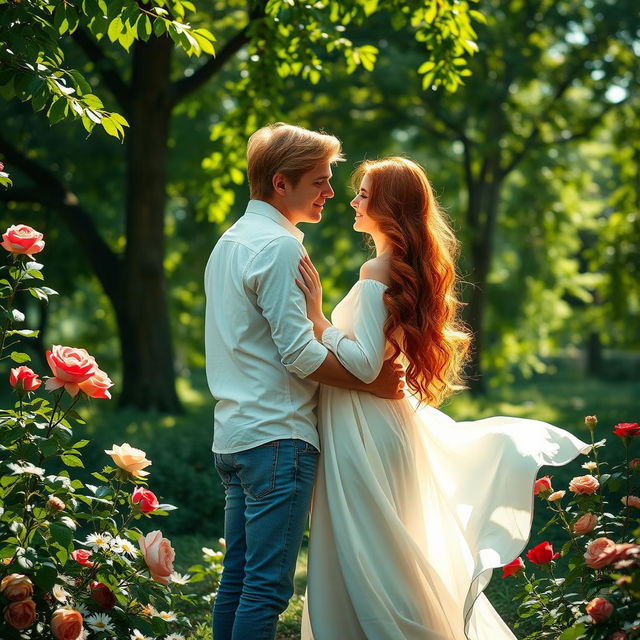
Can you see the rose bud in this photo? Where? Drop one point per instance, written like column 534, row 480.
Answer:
column 590, row 422
column 600, row 553
column 145, row 499
column 24, row 379
column 1, row 166
column 66, row 624
column 556, row 495
column 542, row 553
column 158, row 555
column 101, row 593
column 618, row 635
column 634, row 465
column 542, row 486
column 599, row 609
column 627, row 429
column 81, row 556
column 55, row 504
column 22, row 239
column 584, row 485
column 514, row 568
column 16, row 587
column 20, row 615
column 585, row 523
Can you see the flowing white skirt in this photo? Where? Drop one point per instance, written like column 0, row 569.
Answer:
column 411, row 513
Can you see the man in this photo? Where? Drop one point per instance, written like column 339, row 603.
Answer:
column 264, row 366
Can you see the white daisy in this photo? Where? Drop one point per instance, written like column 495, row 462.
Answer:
column 174, row 636
column 176, row 578
column 63, row 480
column 99, row 622
column 167, row 616
column 25, row 467
column 82, row 609
column 122, row 545
column 590, row 466
column 136, row 635
column 98, row 541
column 60, row 593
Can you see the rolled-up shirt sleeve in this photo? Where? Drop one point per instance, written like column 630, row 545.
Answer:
column 364, row 354
column 271, row 277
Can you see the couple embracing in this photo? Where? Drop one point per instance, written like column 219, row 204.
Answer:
column 410, row 511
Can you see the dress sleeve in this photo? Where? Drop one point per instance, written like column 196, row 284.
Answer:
column 364, row 354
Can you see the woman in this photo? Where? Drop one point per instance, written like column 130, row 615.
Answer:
column 412, row 510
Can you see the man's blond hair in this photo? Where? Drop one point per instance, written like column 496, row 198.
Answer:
column 287, row 149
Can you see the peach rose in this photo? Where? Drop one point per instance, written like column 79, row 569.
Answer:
column 16, row 587
column 70, row 366
column 599, row 609
column 585, row 523
column 158, row 555
column 20, row 615
column 66, row 624
column 556, row 495
column 585, row 485
column 97, row 386
column 55, row 504
column 631, row 501
column 130, row 459
column 600, row 553
column 24, row 379
column 22, row 239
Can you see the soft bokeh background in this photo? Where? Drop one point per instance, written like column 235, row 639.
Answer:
column 536, row 158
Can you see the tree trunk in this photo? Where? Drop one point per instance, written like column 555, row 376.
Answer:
column 594, row 355
column 143, row 318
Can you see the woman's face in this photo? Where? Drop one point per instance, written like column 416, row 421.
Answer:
column 363, row 223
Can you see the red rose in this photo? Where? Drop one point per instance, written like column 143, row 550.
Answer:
column 599, row 609
column 81, row 556
column 22, row 239
column 542, row 553
column 513, row 568
column 145, row 499
column 542, row 485
column 101, row 593
column 627, row 429
column 24, row 379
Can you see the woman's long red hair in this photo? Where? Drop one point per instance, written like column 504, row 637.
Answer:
column 423, row 306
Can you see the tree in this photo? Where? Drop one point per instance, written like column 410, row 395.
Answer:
column 279, row 40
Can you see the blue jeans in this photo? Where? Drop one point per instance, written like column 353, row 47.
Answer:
column 268, row 494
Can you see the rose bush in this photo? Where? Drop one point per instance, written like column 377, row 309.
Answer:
column 73, row 563
column 597, row 595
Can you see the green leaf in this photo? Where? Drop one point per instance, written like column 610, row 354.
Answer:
column 61, row 534
column 71, row 461
column 45, row 576
column 115, row 29
column 18, row 357
column 81, row 443
column 573, row 633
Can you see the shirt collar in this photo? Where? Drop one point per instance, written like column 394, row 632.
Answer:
column 261, row 208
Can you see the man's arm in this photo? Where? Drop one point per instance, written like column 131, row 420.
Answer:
column 388, row 384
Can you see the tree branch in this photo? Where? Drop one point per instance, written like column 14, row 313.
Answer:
column 49, row 191
column 105, row 67
column 187, row 85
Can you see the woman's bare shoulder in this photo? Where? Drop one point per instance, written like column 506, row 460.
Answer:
column 376, row 269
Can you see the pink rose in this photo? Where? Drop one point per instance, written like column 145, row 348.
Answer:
column 66, row 624
column 542, row 485
column 16, row 587
column 158, row 555
column 513, row 568
column 97, row 386
column 599, row 609
column 129, row 458
column 145, row 499
column 600, row 553
column 20, row 615
column 22, row 239
column 585, row 485
column 24, row 379
column 585, row 523
column 70, row 366
column 81, row 556
column 631, row 501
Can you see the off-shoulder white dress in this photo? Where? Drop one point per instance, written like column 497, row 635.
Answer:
column 411, row 509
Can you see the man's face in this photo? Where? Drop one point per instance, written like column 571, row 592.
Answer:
column 304, row 202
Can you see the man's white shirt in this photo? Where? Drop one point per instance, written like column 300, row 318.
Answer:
column 259, row 342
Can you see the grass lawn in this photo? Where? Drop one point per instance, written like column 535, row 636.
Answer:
column 183, row 474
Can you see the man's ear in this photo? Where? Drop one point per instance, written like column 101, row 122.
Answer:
column 280, row 183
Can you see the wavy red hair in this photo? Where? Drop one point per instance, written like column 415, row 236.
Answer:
column 423, row 323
